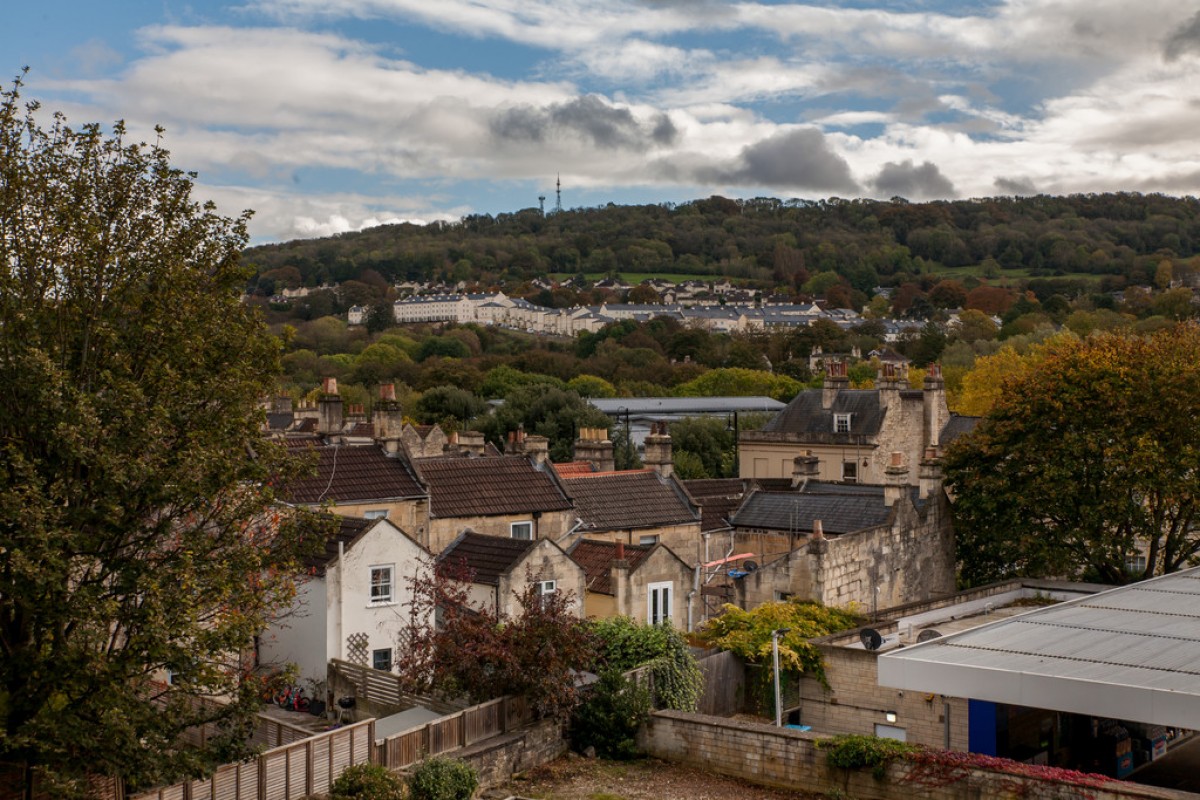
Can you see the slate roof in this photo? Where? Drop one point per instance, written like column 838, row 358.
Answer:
column 955, row 427
column 361, row 429
column 480, row 487
column 353, row 474
column 842, row 508
column 488, row 557
column 608, row 501
column 596, row 558
column 805, row 416
column 280, row 420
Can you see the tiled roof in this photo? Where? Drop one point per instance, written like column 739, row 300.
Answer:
column 488, row 557
column 842, row 508
column 364, row 429
column 346, row 531
column 716, row 511
column 473, row 487
column 804, row 415
column 353, row 474
column 570, row 468
column 596, row 558
column 306, row 425
column 297, row 441
column 608, row 501
column 715, row 487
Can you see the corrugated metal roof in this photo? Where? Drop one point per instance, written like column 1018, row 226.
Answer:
column 1128, row 653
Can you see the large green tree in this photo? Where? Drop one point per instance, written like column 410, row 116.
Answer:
column 137, row 537
column 1089, row 456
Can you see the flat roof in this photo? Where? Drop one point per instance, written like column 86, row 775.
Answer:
column 1127, row 653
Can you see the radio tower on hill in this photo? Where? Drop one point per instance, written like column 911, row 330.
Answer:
column 558, row 194
column 542, row 204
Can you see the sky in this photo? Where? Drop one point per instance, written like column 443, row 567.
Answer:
column 327, row 116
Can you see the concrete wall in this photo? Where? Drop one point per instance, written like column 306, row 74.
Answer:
column 550, row 525
column 299, row 636
column 790, row 759
column 856, row 703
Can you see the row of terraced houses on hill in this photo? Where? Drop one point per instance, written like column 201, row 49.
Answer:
column 496, row 308
column 800, row 522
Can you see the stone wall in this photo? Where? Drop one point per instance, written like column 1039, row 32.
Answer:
column 790, row 759
column 550, row 525
column 497, row 759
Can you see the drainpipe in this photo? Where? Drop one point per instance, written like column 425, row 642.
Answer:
column 341, row 597
column 691, row 595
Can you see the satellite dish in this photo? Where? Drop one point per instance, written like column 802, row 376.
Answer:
column 749, row 566
column 871, row 640
column 929, row 634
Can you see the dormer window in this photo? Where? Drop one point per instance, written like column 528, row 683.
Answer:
column 841, row 423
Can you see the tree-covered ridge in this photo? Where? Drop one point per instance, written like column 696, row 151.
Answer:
column 775, row 242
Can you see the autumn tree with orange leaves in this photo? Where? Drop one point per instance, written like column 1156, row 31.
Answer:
column 1088, row 462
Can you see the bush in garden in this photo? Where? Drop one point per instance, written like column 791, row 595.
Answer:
column 367, row 782
column 443, row 779
column 609, row 719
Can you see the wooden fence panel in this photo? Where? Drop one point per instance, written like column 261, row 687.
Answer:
column 483, row 721
column 274, row 766
column 445, row 734
column 297, row 761
column 319, row 752
column 224, row 783
column 405, row 748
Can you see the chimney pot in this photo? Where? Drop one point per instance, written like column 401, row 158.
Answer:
column 329, row 386
column 620, row 551
column 387, row 391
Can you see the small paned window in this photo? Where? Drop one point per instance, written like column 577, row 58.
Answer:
column 382, row 659
column 841, row 423
column 522, row 530
column 381, row 584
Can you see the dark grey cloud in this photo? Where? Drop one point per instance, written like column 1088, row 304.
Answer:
column 588, row 116
column 904, row 179
column 1020, row 186
column 798, row 159
column 1185, row 39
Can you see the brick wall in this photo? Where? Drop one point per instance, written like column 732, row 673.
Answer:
column 790, row 759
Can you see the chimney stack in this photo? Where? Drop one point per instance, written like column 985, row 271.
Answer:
column 471, row 443
column 836, row 381
column 658, row 450
column 934, row 398
column 388, row 419
column 595, row 447
column 537, row 448
column 895, row 477
column 888, row 383
column 930, row 474
column 329, row 409
column 817, row 545
column 805, row 468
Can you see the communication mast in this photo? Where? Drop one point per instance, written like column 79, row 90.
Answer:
column 542, row 204
column 558, row 194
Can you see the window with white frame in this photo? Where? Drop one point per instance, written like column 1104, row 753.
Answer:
column 850, row 471
column 546, row 590
column 841, row 423
column 381, row 584
column 1135, row 563
column 647, row 540
column 658, row 602
column 376, row 514
column 522, row 530
column 382, row 659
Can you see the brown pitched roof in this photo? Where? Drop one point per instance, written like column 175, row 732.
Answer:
column 716, row 511
column 488, row 557
column 361, row 429
column 353, row 474
column 597, row 558
column 479, row 487
column 608, row 501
